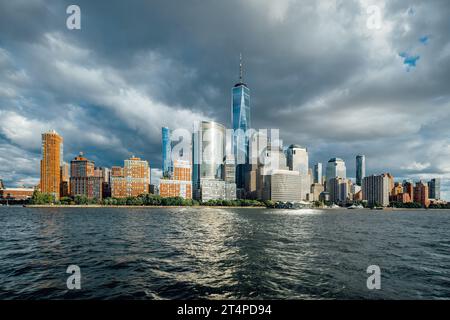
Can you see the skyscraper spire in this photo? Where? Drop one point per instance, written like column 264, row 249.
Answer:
column 240, row 67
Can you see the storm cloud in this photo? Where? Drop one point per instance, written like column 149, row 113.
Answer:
column 315, row 69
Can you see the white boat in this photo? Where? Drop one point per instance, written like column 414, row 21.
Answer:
column 356, row 207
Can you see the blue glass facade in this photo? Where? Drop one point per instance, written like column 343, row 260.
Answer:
column 360, row 169
column 240, row 119
column 166, row 152
column 240, row 114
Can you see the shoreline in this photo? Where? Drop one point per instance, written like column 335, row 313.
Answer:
column 131, row 206
column 217, row 207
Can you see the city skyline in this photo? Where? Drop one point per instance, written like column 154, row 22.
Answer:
column 81, row 97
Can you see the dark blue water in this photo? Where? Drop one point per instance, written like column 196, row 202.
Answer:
column 152, row 253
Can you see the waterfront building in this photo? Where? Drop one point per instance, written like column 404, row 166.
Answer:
column 375, row 190
column 118, row 182
column 137, row 174
column 421, row 194
column 15, row 194
column 52, row 159
column 214, row 189
column 83, row 181
column 282, row 185
column 240, row 121
column 360, row 168
column 132, row 180
column 208, row 158
column 434, row 189
column 181, row 184
column 336, row 169
column 401, row 197
column 339, row 190
column 318, row 173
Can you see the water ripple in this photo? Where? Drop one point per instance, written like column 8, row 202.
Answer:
column 209, row 253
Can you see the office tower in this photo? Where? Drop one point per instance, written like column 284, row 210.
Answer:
column 83, row 181
column 208, row 151
column 375, row 190
column 240, row 120
column 434, row 189
column 52, row 158
column 208, row 157
column 297, row 160
column 335, row 169
column 64, row 190
column 2, row 186
column 282, row 185
column 360, row 168
column 166, row 152
column 272, row 159
column 229, row 169
column 180, row 185
column 132, row 180
column 318, row 173
column 339, row 190
column 421, row 194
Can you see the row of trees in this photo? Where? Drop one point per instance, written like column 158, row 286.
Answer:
column 40, row 198
column 406, row 205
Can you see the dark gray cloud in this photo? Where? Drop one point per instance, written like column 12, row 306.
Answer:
column 315, row 70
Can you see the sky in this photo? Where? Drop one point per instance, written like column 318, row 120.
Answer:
column 339, row 77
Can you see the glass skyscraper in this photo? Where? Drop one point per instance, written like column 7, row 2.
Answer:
column 434, row 189
column 335, row 169
column 240, row 118
column 318, row 172
column 166, row 152
column 360, row 168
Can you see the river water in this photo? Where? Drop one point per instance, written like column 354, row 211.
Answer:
column 212, row 253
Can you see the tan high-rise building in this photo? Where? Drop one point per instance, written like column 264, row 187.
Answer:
column 181, row 184
column 52, row 156
column 132, row 180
